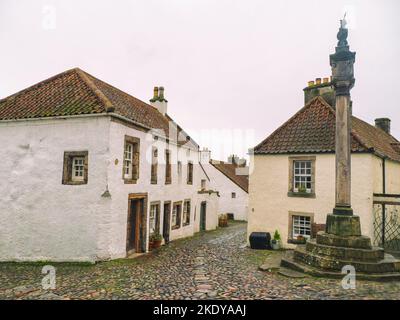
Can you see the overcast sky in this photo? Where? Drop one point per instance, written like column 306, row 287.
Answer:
column 229, row 67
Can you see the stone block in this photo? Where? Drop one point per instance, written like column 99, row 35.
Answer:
column 342, row 225
column 327, row 239
column 346, row 253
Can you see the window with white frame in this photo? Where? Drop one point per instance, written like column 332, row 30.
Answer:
column 78, row 168
column 128, row 159
column 301, row 226
column 75, row 167
column 233, row 195
column 302, row 176
column 131, row 160
column 203, row 184
column 154, row 218
column 186, row 212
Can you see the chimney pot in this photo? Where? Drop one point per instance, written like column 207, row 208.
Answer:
column 161, row 93
column 326, row 80
column 310, row 83
column 318, row 81
column 155, row 95
column 383, row 123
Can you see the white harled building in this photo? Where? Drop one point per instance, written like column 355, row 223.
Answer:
column 90, row 172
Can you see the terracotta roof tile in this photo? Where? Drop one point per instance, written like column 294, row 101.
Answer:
column 75, row 92
column 312, row 130
column 229, row 170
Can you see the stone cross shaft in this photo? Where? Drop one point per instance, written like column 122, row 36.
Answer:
column 342, row 62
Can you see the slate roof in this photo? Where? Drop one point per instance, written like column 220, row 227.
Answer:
column 75, row 92
column 312, row 130
column 229, row 170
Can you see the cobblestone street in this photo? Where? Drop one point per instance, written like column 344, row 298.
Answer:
column 212, row 265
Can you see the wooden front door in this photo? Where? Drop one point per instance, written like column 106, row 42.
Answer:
column 203, row 214
column 134, row 242
column 166, row 221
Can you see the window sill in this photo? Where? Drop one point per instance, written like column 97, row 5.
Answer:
column 191, row 183
column 127, row 181
column 153, row 182
column 175, row 227
column 74, row 183
column 168, row 182
column 301, row 194
column 186, row 224
column 295, row 241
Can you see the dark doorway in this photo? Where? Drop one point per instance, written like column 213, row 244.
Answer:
column 203, row 213
column 166, row 221
column 136, row 226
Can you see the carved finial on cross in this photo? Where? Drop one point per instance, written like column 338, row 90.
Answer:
column 343, row 22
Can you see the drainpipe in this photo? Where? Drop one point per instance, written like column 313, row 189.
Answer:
column 383, row 205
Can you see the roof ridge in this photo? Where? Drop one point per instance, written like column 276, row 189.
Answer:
column 38, row 84
column 353, row 133
column 114, row 87
column 109, row 107
column 215, row 165
column 306, row 106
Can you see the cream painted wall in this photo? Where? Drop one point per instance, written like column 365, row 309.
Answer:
column 392, row 169
column 269, row 205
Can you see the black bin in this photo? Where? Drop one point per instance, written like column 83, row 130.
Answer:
column 260, row 240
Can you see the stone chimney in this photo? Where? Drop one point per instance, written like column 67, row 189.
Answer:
column 242, row 162
column 234, row 159
column 158, row 101
column 205, row 156
column 383, row 123
column 321, row 88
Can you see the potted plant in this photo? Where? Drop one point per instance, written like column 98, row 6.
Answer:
column 302, row 189
column 301, row 239
column 155, row 240
column 276, row 241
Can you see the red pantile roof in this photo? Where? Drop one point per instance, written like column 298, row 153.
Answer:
column 312, row 130
column 75, row 92
column 229, row 170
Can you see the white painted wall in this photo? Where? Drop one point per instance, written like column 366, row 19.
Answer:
column 178, row 190
column 239, row 205
column 40, row 218
column 269, row 204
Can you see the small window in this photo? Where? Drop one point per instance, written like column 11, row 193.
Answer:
column 203, row 184
column 168, row 177
column 130, row 171
column 188, row 153
column 233, row 195
column 176, row 215
column 154, row 166
column 301, row 226
column 75, row 167
column 78, row 168
column 128, row 158
column 186, row 212
column 190, row 173
column 302, row 176
column 154, row 223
